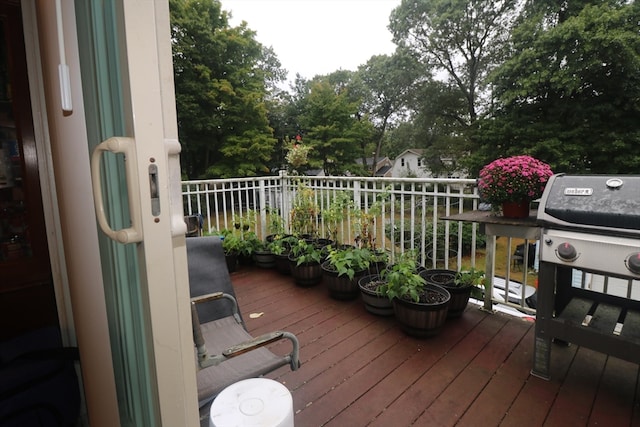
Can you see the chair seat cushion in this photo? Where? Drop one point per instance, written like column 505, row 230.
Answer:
column 219, row 335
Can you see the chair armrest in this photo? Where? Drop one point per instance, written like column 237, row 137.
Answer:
column 216, row 296
column 205, row 360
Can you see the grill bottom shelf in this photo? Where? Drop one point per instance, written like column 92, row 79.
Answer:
column 601, row 322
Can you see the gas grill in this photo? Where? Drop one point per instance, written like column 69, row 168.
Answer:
column 590, row 226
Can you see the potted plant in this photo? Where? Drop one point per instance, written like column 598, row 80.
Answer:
column 475, row 279
column 459, row 284
column 421, row 308
column 342, row 270
column 275, row 224
column 280, row 246
column 512, row 183
column 374, row 300
column 334, row 215
column 304, row 212
column 231, row 246
column 373, row 285
column 249, row 243
column 305, row 262
column 262, row 255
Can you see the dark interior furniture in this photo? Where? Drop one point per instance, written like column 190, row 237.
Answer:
column 38, row 382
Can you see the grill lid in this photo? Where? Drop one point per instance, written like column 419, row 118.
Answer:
column 598, row 202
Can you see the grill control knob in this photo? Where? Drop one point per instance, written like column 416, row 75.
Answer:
column 633, row 263
column 566, row 251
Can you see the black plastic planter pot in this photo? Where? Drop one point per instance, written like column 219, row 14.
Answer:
column 283, row 265
column 459, row 294
column 306, row 274
column 423, row 319
column 374, row 303
column 340, row 287
column 264, row 259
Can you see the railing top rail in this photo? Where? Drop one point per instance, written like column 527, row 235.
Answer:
column 467, row 181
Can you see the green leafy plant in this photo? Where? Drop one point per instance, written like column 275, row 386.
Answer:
column 335, row 213
column 348, row 261
column 306, row 252
column 402, row 279
column 250, row 243
column 246, row 221
column 365, row 220
column 304, row 211
column 231, row 243
column 472, row 277
column 275, row 223
column 281, row 244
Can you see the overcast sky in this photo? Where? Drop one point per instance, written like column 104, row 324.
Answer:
column 313, row 37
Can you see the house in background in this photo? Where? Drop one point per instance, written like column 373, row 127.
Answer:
column 410, row 164
column 383, row 166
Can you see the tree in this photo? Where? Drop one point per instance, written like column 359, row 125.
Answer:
column 329, row 122
column 461, row 40
column 387, row 84
column 569, row 93
column 221, row 79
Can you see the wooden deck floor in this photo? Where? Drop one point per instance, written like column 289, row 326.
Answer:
column 359, row 369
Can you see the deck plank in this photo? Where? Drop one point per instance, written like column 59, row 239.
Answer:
column 362, row 370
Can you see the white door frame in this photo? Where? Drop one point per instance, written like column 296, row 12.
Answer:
column 71, row 224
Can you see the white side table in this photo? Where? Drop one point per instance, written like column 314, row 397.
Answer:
column 256, row 402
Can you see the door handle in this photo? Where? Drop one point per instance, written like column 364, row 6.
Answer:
column 125, row 146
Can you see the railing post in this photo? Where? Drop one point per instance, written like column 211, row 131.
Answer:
column 262, row 195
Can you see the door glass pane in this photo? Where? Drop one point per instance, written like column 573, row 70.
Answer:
column 126, row 305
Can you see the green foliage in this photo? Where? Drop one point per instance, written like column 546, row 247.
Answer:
column 364, row 220
column 221, row 76
column 470, row 277
column 569, row 93
column 275, row 223
column 304, row 211
column 402, row 279
column 282, row 244
column 335, row 213
column 306, row 252
column 348, row 261
column 474, row 278
column 330, row 120
column 231, row 243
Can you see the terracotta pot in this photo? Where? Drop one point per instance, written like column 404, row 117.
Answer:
column 516, row 209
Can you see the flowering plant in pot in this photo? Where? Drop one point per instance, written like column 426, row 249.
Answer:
column 516, row 179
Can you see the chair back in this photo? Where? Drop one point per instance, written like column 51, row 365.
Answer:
column 208, row 273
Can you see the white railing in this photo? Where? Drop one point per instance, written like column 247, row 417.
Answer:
column 410, row 218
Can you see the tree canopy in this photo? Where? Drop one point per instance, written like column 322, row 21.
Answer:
column 470, row 81
column 569, row 92
column 221, row 78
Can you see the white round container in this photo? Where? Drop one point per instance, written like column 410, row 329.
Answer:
column 256, row 402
